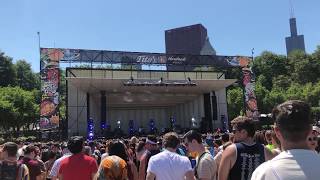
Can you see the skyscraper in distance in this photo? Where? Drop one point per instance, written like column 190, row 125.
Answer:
column 295, row 41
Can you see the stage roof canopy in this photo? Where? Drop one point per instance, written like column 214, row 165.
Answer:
column 153, row 94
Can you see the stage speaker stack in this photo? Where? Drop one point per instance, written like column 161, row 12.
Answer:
column 103, row 110
column 210, row 112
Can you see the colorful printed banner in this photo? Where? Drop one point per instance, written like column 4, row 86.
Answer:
column 49, row 62
column 248, row 82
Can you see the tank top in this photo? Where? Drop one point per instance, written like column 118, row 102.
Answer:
column 11, row 171
column 249, row 157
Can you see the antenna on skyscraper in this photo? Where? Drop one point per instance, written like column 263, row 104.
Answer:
column 38, row 33
column 291, row 9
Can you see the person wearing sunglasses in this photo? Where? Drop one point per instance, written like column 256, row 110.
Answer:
column 293, row 125
column 205, row 168
column 312, row 140
column 242, row 158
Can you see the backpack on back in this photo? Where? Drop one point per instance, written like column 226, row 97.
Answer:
column 10, row 171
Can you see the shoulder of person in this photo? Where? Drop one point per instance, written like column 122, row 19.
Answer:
column 184, row 158
column 34, row 162
column 152, row 158
column 86, row 157
column 208, row 157
column 268, row 153
column 63, row 161
column 230, row 150
column 25, row 167
column 218, row 155
column 262, row 171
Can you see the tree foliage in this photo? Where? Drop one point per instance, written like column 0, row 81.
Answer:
column 235, row 102
column 18, row 107
column 19, row 94
column 26, row 79
column 280, row 78
column 7, row 71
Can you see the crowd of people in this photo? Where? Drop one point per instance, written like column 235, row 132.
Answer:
column 290, row 150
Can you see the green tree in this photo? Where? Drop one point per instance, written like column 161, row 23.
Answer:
column 270, row 65
column 305, row 68
column 316, row 54
column 8, row 113
column 280, row 78
column 314, row 95
column 295, row 91
column 235, row 102
column 273, row 98
column 261, row 93
column 281, row 81
column 25, row 77
column 18, row 107
column 7, row 71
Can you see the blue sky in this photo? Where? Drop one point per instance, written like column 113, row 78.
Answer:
column 234, row 26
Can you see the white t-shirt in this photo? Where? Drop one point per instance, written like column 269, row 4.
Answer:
column 104, row 155
column 56, row 165
column 169, row 166
column 294, row 164
column 206, row 167
column 217, row 159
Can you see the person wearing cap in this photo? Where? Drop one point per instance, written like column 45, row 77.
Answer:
column 293, row 124
column 151, row 149
column 10, row 168
column 77, row 166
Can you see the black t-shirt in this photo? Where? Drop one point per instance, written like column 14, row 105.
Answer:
column 249, row 157
column 10, row 170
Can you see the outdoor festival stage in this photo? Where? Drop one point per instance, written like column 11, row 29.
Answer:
column 106, row 90
column 142, row 96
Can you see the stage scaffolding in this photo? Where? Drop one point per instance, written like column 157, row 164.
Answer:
column 94, row 62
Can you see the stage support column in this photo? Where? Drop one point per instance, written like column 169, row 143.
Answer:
column 88, row 106
column 206, row 122
column 103, row 111
column 65, row 125
column 214, row 109
column 210, row 112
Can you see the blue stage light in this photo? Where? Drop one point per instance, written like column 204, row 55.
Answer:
column 90, row 129
column 151, row 125
column 103, row 125
column 131, row 127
